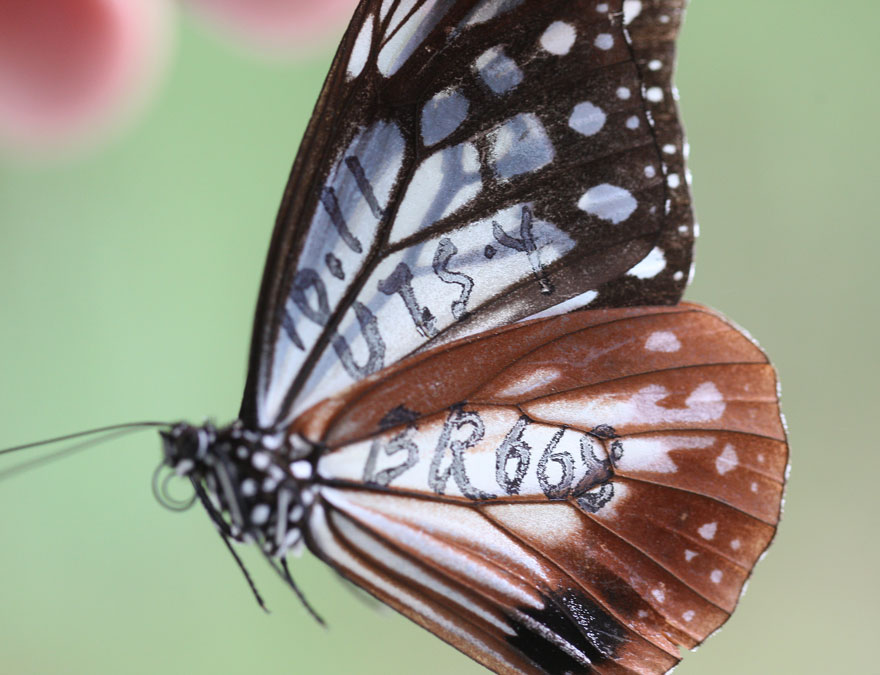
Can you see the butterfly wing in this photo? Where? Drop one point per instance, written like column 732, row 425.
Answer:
column 469, row 164
column 582, row 493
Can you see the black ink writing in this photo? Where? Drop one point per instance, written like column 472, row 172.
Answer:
column 445, row 250
column 402, row 442
column 525, row 244
column 459, row 421
column 375, row 345
column 331, row 204
column 514, row 449
column 400, row 282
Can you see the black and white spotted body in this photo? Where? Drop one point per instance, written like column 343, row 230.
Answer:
column 258, row 483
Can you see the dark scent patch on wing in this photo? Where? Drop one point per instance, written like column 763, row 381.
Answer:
column 592, row 635
column 399, row 416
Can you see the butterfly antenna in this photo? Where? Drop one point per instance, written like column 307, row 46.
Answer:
column 111, row 433
column 225, row 533
column 91, row 432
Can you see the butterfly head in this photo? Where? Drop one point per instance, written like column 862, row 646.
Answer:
column 185, row 447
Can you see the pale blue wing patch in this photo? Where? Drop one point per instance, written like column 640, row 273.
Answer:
column 587, row 119
column 418, row 292
column 442, row 184
column 609, row 202
column 340, row 237
column 407, row 30
column 520, row 145
column 498, row 71
column 360, row 52
column 442, row 115
column 486, row 11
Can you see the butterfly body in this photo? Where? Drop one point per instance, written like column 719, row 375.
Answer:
column 260, row 481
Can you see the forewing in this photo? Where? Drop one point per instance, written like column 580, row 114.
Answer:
column 470, row 164
column 582, row 493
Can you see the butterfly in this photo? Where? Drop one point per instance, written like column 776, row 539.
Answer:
column 473, row 390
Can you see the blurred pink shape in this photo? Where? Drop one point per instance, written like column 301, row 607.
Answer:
column 277, row 26
column 72, row 71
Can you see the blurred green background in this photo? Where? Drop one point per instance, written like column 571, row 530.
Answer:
column 127, row 286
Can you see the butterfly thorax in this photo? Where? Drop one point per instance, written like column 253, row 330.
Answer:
column 258, row 482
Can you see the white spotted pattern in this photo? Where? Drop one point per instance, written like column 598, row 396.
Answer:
column 705, row 404
column 708, row 531
column 559, row 38
column 608, row 202
column 442, row 115
column 604, row 41
column 650, row 266
column 662, row 341
column 631, row 9
column 727, row 460
column 587, row 119
column 498, row 71
column 520, row 145
column 360, row 52
column 654, row 94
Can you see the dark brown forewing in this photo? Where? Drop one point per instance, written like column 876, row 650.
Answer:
column 636, row 454
column 471, row 163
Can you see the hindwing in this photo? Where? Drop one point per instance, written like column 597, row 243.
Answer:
column 470, row 164
column 582, row 493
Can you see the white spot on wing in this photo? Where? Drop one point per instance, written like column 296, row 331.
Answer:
column 689, row 555
column 587, row 119
column 649, row 266
column 488, row 10
column 727, row 460
column 608, row 202
column 716, row 576
column 498, row 71
column 662, row 341
column 654, row 94
column 604, row 41
column 705, row 404
column 538, row 378
column 520, row 145
column 688, row 615
column 577, row 302
column 708, row 531
column 631, row 9
column 360, row 52
column 442, row 115
column 651, row 453
column 559, row 38
column 409, row 31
